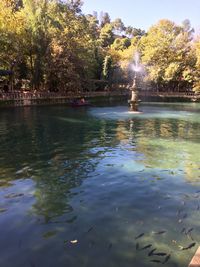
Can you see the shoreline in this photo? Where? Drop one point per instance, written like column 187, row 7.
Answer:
column 16, row 99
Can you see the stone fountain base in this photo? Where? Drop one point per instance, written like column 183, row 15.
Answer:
column 135, row 112
column 133, row 105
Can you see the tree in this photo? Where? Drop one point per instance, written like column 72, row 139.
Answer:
column 133, row 32
column 121, row 43
column 104, row 19
column 196, row 73
column 128, row 31
column 36, row 39
column 137, row 32
column 106, row 37
column 18, row 4
column 107, row 67
column 118, row 25
column 11, row 31
column 166, row 53
column 187, row 27
column 74, row 5
column 93, row 25
column 55, row 46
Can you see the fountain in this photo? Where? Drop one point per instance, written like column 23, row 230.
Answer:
column 134, row 88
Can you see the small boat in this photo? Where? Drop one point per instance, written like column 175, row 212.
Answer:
column 80, row 103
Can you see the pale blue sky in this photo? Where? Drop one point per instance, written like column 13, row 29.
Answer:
column 144, row 13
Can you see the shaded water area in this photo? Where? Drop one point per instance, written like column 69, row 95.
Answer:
column 99, row 186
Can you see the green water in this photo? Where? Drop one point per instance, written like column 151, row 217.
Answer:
column 77, row 186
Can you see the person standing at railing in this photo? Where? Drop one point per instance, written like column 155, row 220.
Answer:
column 6, row 88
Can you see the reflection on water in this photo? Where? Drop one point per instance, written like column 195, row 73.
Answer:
column 99, row 186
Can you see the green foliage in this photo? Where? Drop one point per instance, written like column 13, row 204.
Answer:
column 93, row 25
column 171, row 70
column 107, row 66
column 133, row 32
column 166, row 52
column 106, row 37
column 56, row 47
column 11, row 30
column 121, row 43
column 104, row 19
column 196, row 75
column 118, row 25
column 50, row 41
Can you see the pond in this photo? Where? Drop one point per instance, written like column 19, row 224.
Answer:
column 99, row 186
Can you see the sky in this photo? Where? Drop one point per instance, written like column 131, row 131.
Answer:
column 144, row 13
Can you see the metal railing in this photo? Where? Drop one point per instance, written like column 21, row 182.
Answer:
column 170, row 93
column 17, row 95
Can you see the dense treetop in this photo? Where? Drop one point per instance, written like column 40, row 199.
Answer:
column 52, row 44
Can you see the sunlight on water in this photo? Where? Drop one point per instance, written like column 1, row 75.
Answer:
column 121, row 112
column 100, row 186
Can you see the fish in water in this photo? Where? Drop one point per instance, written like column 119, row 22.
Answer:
column 183, row 230
column 151, row 252
column 109, row 246
column 137, row 246
column 159, row 232
column 160, row 254
column 156, row 261
column 147, row 246
column 178, row 212
column 184, row 216
column 188, row 231
column 166, row 259
column 188, row 247
column 89, row 230
column 139, row 236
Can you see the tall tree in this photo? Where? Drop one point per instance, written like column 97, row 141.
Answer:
column 196, row 73
column 118, row 25
column 36, row 38
column 104, row 19
column 93, row 25
column 106, row 37
column 121, row 43
column 165, row 52
column 11, row 30
column 74, row 5
column 188, row 28
column 107, row 68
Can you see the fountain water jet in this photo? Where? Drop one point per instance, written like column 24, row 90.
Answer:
column 134, row 102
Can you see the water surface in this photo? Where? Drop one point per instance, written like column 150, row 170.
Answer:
column 77, row 186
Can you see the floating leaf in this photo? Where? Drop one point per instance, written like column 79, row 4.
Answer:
column 13, row 195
